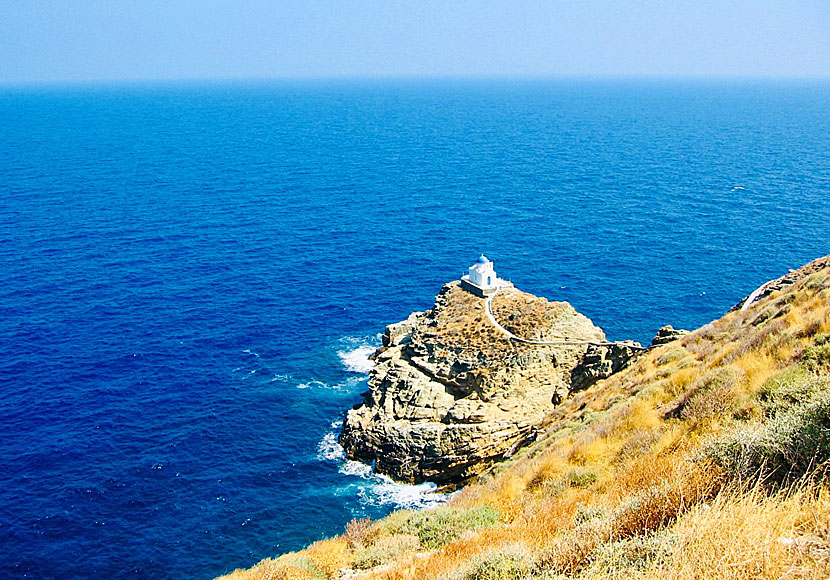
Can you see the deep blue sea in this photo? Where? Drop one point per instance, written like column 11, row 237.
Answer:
column 193, row 276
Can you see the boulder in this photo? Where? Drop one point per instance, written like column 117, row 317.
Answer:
column 668, row 334
column 600, row 362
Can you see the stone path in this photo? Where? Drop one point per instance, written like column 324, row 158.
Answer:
column 488, row 309
column 757, row 292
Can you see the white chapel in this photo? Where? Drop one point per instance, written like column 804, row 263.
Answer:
column 481, row 278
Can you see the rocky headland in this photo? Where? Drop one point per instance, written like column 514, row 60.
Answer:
column 704, row 457
column 450, row 393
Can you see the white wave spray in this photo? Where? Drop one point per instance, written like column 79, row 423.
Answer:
column 374, row 488
column 356, row 352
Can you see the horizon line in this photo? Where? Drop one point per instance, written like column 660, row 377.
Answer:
column 45, row 83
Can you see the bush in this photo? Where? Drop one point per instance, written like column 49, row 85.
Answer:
column 638, row 552
column 359, row 533
column 586, row 513
column 713, row 394
column 386, row 550
column 790, row 387
column 672, row 353
column 570, row 553
column 509, row 563
column 581, row 477
column 816, row 358
column 795, row 443
column 440, row 526
column 294, row 566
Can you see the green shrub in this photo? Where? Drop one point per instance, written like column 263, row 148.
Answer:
column 787, row 388
column 673, row 353
column 795, row 443
column 509, row 563
column 816, row 358
column 580, row 477
column 386, row 550
column 439, row 526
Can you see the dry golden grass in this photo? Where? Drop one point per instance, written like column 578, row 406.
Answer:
column 753, row 535
column 616, row 487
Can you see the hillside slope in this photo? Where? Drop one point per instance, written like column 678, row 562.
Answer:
column 705, row 458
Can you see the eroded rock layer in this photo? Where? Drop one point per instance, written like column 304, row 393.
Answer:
column 450, row 394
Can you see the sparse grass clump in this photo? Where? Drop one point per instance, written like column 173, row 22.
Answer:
column 714, row 394
column 639, row 553
column 329, row 556
column 386, row 550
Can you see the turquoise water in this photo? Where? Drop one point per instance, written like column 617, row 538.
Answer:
column 195, row 274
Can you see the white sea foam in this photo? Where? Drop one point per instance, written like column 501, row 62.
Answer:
column 312, row 383
column 402, row 496
column 356, row 468
column 329, row 449
column 357, row 360
column 349, row 383
column 355, row 352
column 373, row 488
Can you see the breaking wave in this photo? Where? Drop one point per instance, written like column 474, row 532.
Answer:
column 384, row 491
column 373, row 488
column 329, row 449
column 356, row 352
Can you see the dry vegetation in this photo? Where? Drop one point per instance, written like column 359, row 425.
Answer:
column 461, row 324
column 535, row 318
column 704, row 459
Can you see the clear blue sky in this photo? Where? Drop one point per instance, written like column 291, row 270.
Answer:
column 80, row 40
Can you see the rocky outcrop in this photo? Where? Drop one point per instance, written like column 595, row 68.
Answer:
column 601, row 362
column 668, row 334
column 450, row 394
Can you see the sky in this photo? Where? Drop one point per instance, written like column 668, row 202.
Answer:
column 100, row 40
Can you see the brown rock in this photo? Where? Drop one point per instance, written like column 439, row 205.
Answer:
column 668, row 334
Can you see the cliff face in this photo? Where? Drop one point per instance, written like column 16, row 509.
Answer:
column 450, row 393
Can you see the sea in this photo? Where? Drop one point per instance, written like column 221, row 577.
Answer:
column 195, row 274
